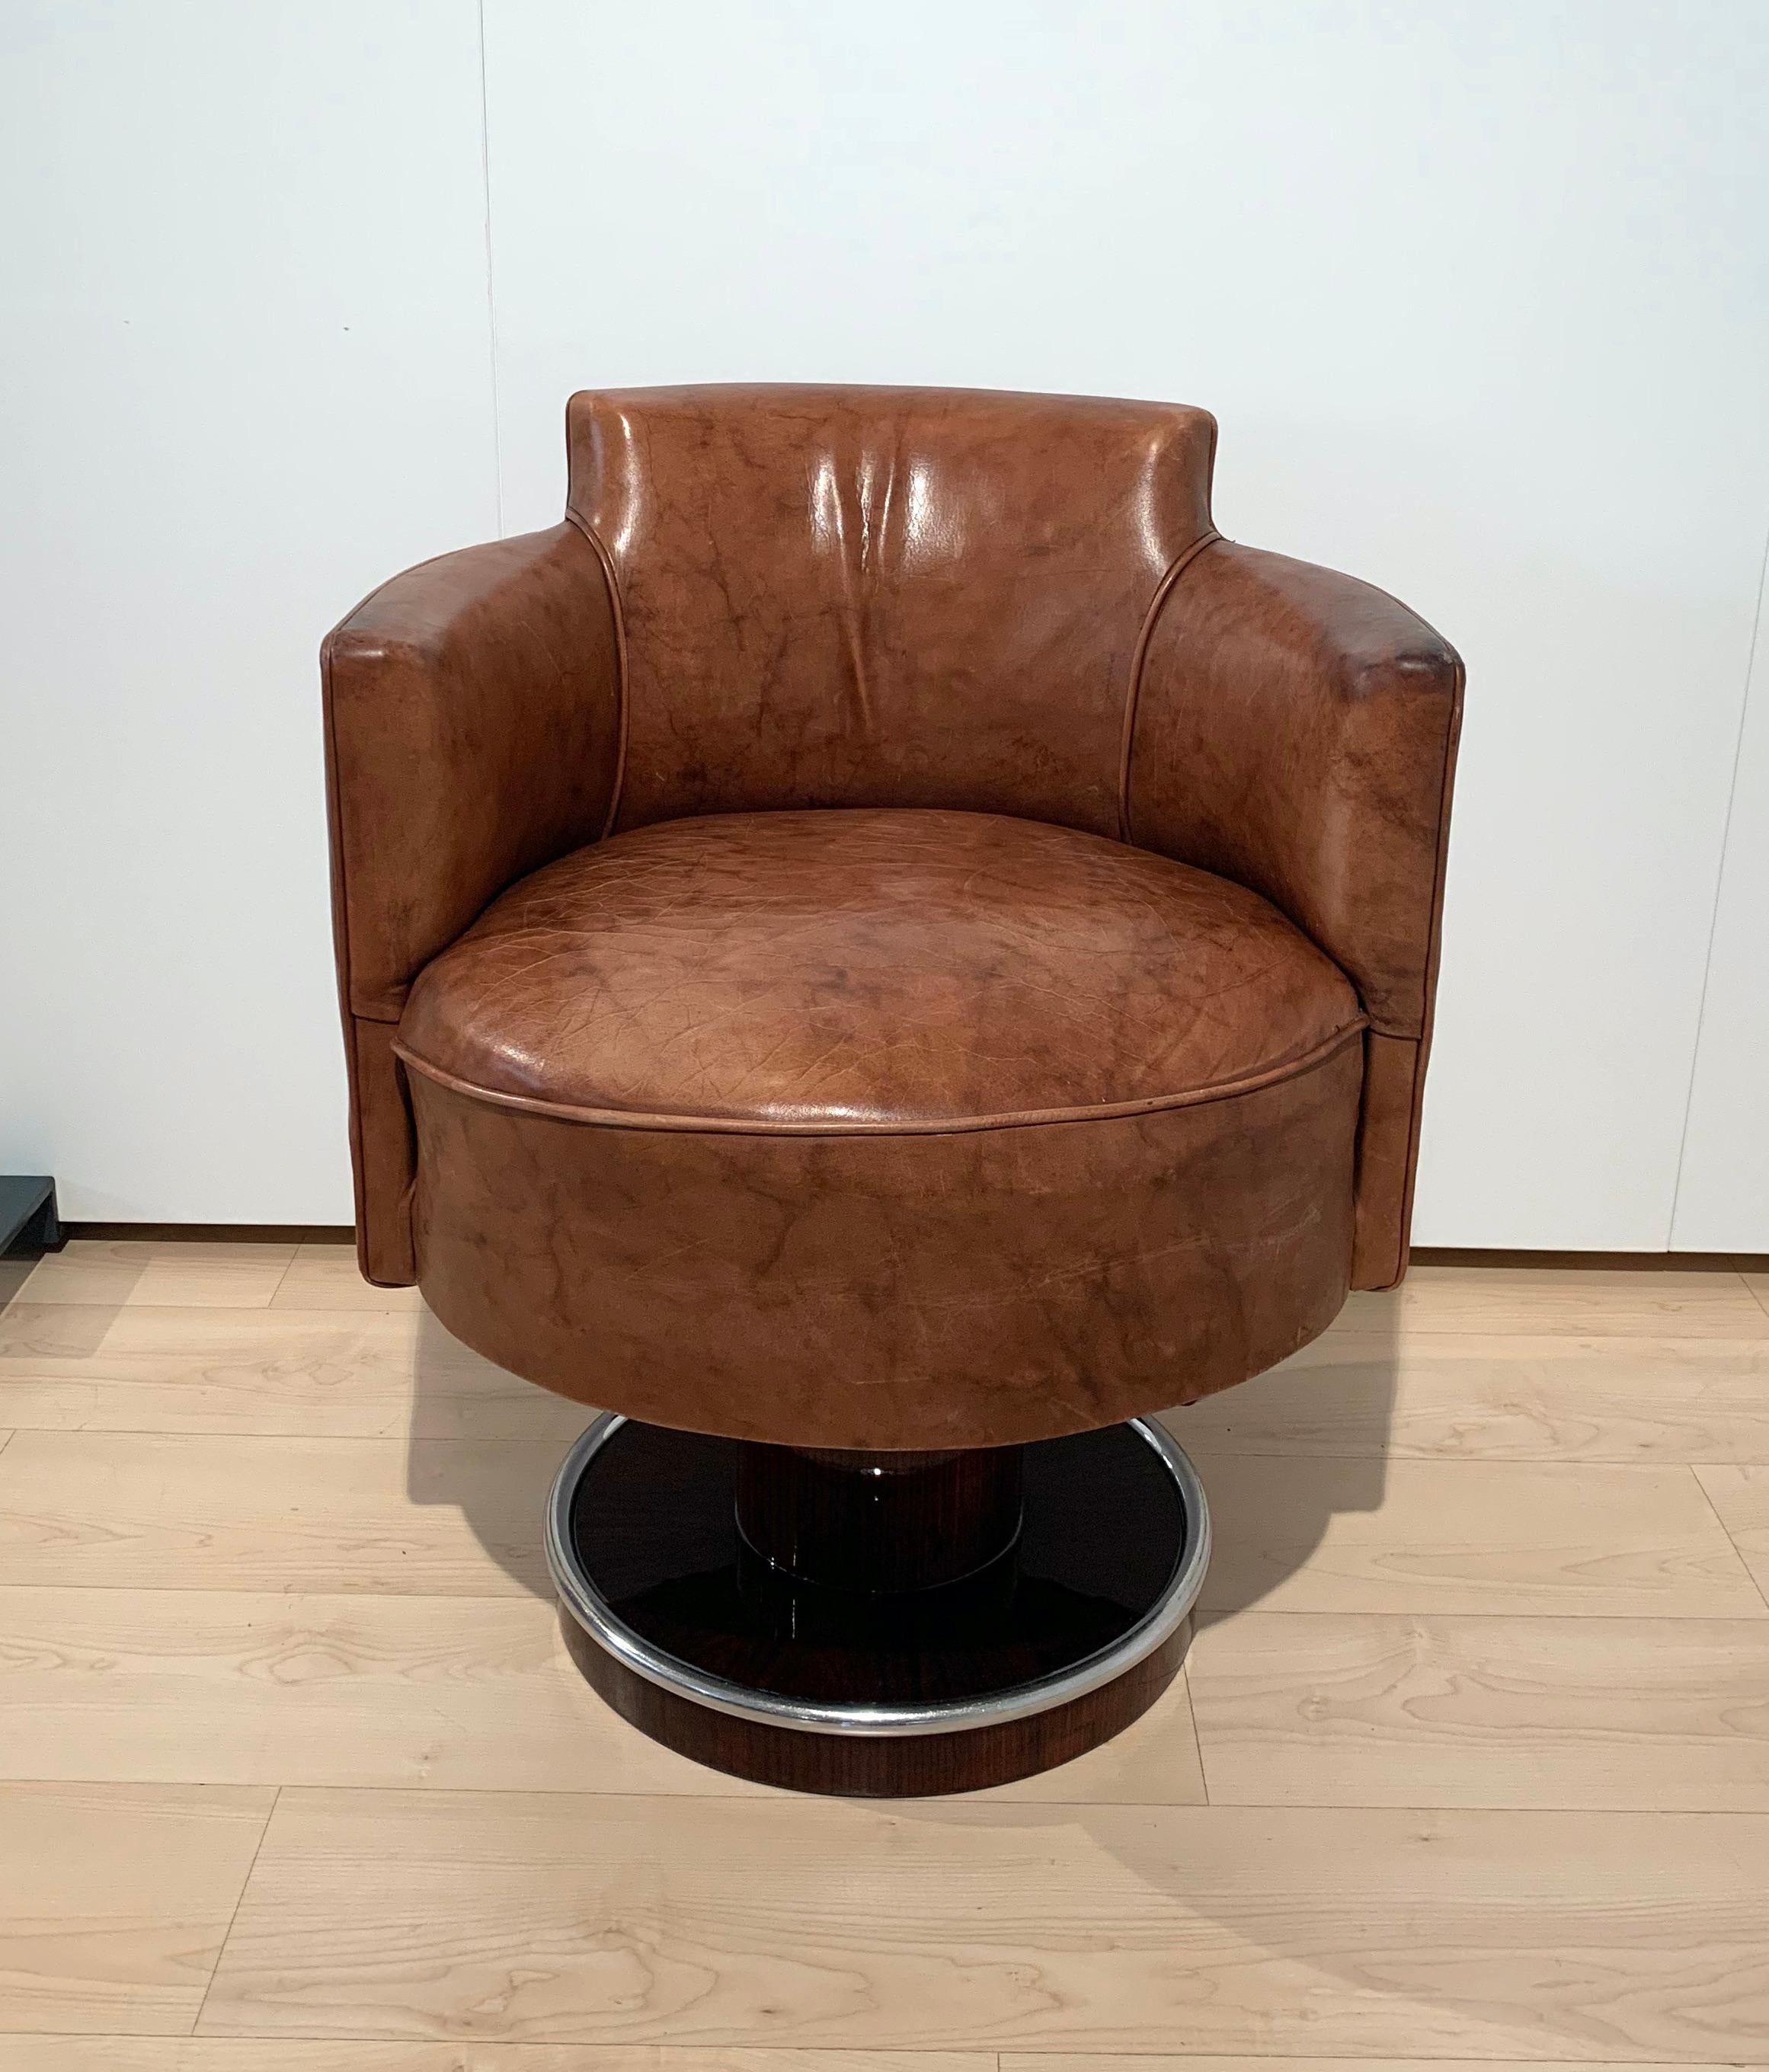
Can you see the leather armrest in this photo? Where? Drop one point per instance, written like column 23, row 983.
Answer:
column 474, row 732
column 1295, row 729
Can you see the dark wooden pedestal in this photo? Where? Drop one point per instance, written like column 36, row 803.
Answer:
column 877, row 1624
column 856, row 1766
column 879, row 1521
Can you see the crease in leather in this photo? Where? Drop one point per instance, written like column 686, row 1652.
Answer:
column 1170, row 578
column 1321, row 1054
column 623, row 693
column 388, row 1009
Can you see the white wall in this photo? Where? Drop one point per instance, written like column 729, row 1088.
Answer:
column 1722, row 1197
column 1476, row 291
column 245, row 374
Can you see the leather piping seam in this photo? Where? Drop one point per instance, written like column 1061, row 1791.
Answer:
column 334, row 832
column 1133, row 695
column 621, row 693
column 942, row 1126
column 1433, row 952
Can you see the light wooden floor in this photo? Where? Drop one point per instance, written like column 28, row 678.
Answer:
column 1472, row 1761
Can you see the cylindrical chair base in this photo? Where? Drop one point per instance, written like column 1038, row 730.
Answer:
column 879, row 1625
column 879, row 1521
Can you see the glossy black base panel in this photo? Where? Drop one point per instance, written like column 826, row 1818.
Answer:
column 1103, row 1535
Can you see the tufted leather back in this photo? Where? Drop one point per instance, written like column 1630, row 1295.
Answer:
column 883, row 597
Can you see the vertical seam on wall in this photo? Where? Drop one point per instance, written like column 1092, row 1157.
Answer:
column 1719, row 887
column 1132, row 694
column 491, row 296
column 606, row 560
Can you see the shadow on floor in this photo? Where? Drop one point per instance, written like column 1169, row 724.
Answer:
column 1281, row 1457
column 1286, row 1453
column 489, row 1445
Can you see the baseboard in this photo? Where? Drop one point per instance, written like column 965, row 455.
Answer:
column 214, row 1233
column 1631, row 1262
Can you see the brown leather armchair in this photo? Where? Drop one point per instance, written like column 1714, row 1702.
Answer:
column 880, row 952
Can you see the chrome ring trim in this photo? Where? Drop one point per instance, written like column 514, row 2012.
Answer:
column 584, row 1603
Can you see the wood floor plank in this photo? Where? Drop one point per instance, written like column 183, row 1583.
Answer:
column 61, row 2053
column 1758, row 1282
column 1741, row 1497
column 242, row 1688
column 1588, row 1301
column 1363, row 1709
column 305, row 1373
column 208, row 2054
column 1598, row 1937
column 115, row 1899
column 1444, row 1395
column 201, row 2053
column 1094, row 2061
column 325, row 1276
column 100, row 1510
column 1335, row 1535
column 156, row 1273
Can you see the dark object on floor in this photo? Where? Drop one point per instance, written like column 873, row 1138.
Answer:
column 28, row 1221
column 29, row 1228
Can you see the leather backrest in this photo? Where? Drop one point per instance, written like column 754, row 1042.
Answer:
column 885, row 596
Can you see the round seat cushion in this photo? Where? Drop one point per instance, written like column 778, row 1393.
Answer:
column 883, row 1128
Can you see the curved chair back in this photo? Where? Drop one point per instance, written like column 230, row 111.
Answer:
column 883, row 597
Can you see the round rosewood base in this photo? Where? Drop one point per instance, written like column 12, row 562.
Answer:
column 881, row 1625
